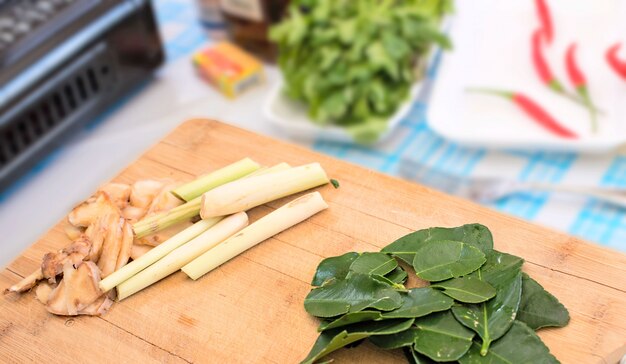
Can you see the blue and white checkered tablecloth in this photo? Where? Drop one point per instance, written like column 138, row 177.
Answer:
column 415, row 141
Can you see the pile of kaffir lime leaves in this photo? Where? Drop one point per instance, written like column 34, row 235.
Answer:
column 478, row 308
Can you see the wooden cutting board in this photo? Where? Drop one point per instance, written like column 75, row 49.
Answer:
column 250, row 310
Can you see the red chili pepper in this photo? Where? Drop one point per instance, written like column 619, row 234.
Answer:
column 540, row 115
column 545, row 18
column 578, row 80
column 541, row 66
column 576, row 77
column 613, row 60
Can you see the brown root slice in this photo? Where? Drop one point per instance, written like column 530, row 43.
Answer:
column 77, row 291
column 138, row 250
column 97, row 233
column 133, row 214
column 143, row 192
column 27, row 283
column 148, row 197
column 126, row 245
column 119, row 193
column 52, row 263
column 164, row 201
column 98, row 308
column 112, row 243
column 89, row 211
column 73, row 232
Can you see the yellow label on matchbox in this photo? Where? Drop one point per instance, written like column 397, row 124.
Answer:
column 229, row 68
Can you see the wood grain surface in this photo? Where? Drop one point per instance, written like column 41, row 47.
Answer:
column 250, row 310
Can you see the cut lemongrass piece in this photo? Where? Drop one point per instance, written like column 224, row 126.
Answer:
column 164, row 220
column 156, row 223
column 262, row 229
column 250, row 192
column 182, row 255
column 156, row 253
column 231, row 172
column 267, row 170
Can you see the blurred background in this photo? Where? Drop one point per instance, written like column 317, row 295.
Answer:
column 516, row 105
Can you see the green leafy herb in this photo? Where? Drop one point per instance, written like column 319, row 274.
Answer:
column 467, row 289
column 476, row 235
column 398, row 275
column 414, row 357
column 440, row 260
column 373, row 263
column 420, row 302
column 333, row 267
column 331, row 340
column 396, row 341
column 349, row 319
column 473, row 289
column 353, row 294
column 334, row 182
column 493, row 318
column 352, row 63
column 539, row 308
column 519, row 345
column 389, row 282
column 441, row 337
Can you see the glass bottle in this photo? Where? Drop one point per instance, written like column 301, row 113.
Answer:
column 248, row 23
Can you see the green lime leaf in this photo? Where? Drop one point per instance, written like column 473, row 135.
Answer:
column 353, row 294
column 398, row 275
column 466, row 289
column 420, row 302
column 520, row 345
column 441, row 260
column 387, row 281
column 414, row 357
column 335, row 339
column 333, row 267
column 349, row 319
column 493, row 318
column 476, row 235
column 396, row 341
column 538, row 308
column 373, row 263
column 441, row 337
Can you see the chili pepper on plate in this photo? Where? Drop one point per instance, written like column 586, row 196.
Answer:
column 612, row 58
column 545, row 18
column 533, row 109
column 547, row 76
column 541, row 65
column 579, row 81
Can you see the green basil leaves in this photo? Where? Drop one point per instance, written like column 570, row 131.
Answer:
column 352, row 63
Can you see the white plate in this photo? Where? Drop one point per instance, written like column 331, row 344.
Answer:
column 291, row 117
column 491, row 40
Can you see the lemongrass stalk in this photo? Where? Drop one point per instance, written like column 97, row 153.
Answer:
column 164, row 220
column 158, row 222
column 267, row 170
column 231, row 172
column 194, row 205
column 187, row 206
column 247, row 193
column 262, row 229
column 156, row 253
column 182, row 255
